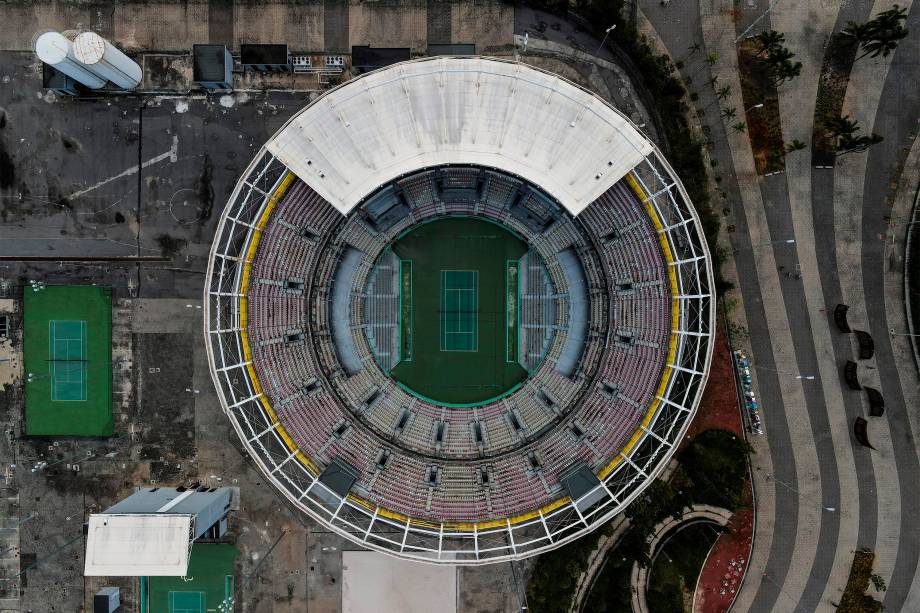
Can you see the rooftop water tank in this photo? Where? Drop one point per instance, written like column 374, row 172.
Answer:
column 54, row 49
column 103, row 59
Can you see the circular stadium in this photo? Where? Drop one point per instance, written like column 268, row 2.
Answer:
column 459, row 310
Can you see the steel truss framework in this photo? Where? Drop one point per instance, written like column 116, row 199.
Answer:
column 296, row 476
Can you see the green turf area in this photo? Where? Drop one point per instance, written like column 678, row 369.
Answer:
column 512, row 293
column 68, row 360
column 209, row 583
column 677, row 566
column 459, row 329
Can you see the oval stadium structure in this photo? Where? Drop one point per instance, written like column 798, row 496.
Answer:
column 459, row 310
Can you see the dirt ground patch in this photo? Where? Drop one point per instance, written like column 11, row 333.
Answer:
column 835, row 76
column 723, row 571
column 763, row 122
column 719, row 406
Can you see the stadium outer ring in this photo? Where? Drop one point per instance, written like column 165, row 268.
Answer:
column 272, row 449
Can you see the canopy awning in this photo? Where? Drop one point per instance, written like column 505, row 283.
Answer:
column 138, row 545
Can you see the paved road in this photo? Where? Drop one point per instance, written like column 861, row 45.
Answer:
column 805, row 547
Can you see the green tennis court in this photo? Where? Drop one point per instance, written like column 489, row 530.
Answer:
column 67, row 351
column 459, row 310
column 68, row 360
column 208, row 586
column 186, row 602
column 454, row 311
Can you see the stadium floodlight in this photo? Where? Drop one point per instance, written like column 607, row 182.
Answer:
column 604, row 40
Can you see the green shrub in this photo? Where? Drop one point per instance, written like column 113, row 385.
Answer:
column 855, row 599
column 555, row 574
column 716, row 463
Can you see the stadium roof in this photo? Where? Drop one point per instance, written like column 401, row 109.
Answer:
column 138, row 545
column 469, row 111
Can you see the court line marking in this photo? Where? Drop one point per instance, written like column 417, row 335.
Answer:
column 459, row 292
column 53, row 344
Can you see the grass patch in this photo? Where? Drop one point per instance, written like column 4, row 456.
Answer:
column 677, row 567
column 552, row 583
column 611, row 591
column 716, row 464
column 855, row 599
column 763, row 123
column 832, row 87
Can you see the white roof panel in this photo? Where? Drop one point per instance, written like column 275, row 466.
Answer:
column 135, row 545
column 452, row 110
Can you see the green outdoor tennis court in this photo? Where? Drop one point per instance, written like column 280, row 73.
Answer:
column 186, row 602
column 208, row 586
column 68, row 360
column 454, row 310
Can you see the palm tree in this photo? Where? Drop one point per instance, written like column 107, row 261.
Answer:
column 860, row 32
column 846, row 131
column 712, row 80
column 839, row 127
column 729, row 113
column 724, row 92
column 695, row 47
column 795, row 145
column 880, row 35
column 739, row 127
column 786, row 72
column 712, row 58
column 884, row 42
column 768, row 40
column 890, row 18
column 849, row 144
column 779, row 56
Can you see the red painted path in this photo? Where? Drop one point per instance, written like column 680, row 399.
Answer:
column 728, row 559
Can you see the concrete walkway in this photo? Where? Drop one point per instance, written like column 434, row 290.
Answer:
column 797, row 104
column 798, row 525
column 861, row 103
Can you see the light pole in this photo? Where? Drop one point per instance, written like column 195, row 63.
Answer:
column 772, row 477
column 791, row 374
column 756, row 21
column 604, row 40
column 893, row 333
column 788, row 241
